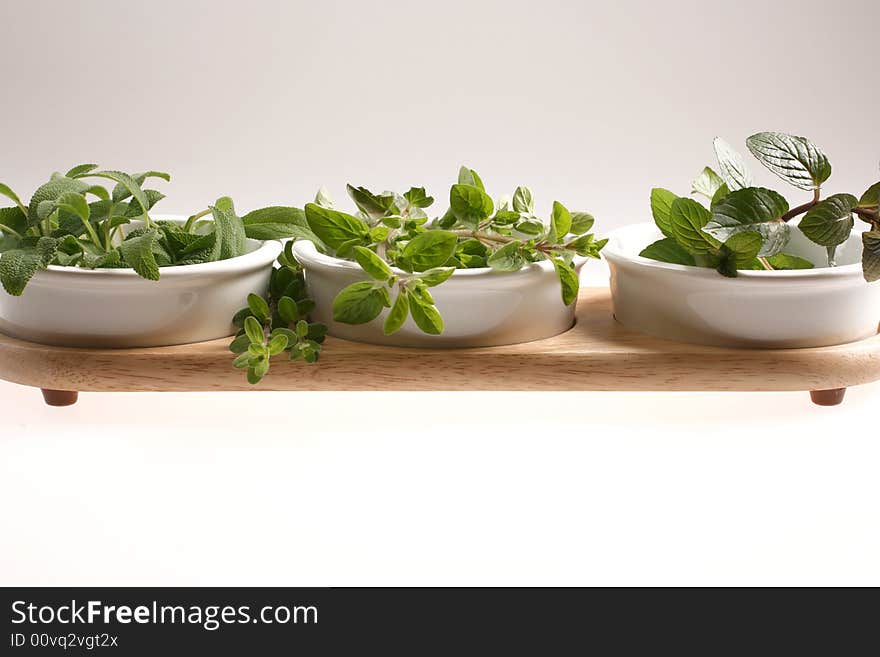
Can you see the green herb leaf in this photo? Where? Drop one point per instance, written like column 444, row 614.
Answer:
column 278, row 222
column 372, row 264
column 138, row 254
column 51, row 191
column 707, row 183
column 796, row 160
column 560, row 222
column 80, row 170
column 830, row 222
column 733, row 168
column 436, row 276
column 323, row 198
column 335, row 228
column 568, row 278
column 739, row 251
column 508, row 258
column 417, row 197
column 687, row 219
column 752, row 209
column 470, row 204
column 870, row 255
column 126, row 186
column 288, row 310
column 6, row 190
column 581, row 222
column 370, row 204
column 787, row 261
column 258, row 307
column 871, row 197
column 277, row 344
column 469, row 177
column 360, row 303
column 425, row 316
column 430, row 249
column 254, row 330
column 661, row 206
column 523, row 201
column 668, row 250
column 230, row 240
column 398, row 314
column 18, row 266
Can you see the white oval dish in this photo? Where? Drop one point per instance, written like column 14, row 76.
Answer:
column 116, row 308
column 763, row 309
column 480, row 307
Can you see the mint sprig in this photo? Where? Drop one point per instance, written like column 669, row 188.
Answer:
column 746, row 227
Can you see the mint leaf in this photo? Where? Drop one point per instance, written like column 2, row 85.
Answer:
column 738, row 252
column 871, row 197
column 470, row 205
column 733, row 168
column 687, row 219
column 568, row 278
column 870, row 255
column 372, row 264
column 430, row 249
column 787, row 261
column 425, row 316
column 360, row 303
column 707, row 183
column 830, row 222
column 668, row 250
column 335, row 228
column 398, row 314
column 752, row 209
column 508, row 258
column 138, row 254
column 796, row 160
column 661, row 206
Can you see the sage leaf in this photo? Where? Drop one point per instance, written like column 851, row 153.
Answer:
column 51, row 191
column 372, row 264
column 707, row 183
column 80, row 170
column 18, row 266
column 796, row 160
column 6, row 190
column 230, row 240
column 137, row 252
column 661, row 205
column 470, row 204
column 668, row 250
column 278, row 222
column 830, row 222
column 687, row 219
column 870, row 255
column 430, row 249
column 359, row 303
column 752, row 209
column 733, row 168
column 397, row 315
column 335, row 228
column 568, row 279
column 126, row 186
column 425, row 316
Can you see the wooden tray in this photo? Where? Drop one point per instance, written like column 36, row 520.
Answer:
column 597, row 354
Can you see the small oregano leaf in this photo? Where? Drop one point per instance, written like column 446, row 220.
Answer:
column 359, row 303
column 372, row 263
column 568, row 279
column 430, row 249
column 335, row 228
column 398, row 314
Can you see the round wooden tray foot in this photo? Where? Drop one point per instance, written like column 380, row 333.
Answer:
column 831, row 397
column 60, row 397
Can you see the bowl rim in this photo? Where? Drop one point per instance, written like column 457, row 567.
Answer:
column 306, row 250
column 265, row 253
column 617, row 256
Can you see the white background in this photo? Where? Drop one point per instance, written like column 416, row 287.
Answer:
column 589, row 103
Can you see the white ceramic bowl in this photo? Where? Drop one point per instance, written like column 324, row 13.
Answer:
column 73, row 307
column 480, row 307
column 771, row 309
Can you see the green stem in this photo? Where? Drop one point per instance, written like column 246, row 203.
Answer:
column 7, row 229
column 765, row 263
column 192, row 220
